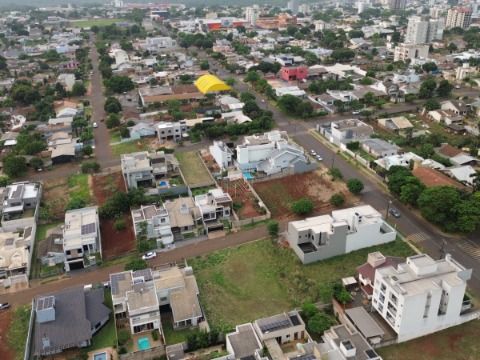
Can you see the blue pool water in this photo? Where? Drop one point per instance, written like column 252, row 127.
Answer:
column 100, row 356
column 163, row 183
column 143, row 343
column 247, row 176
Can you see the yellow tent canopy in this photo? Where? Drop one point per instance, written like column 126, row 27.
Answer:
column 210, row 83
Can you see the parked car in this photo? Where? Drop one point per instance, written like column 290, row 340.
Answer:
column 106, row 284
column 313, row 152
column 149, row 255
column 95, row 125
column 394, row 212
column 356, row 112
column 4, row 306
column 319, row 158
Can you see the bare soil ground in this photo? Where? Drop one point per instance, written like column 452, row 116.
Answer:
column 279, row 194
column 55, row 196
column 241, row 194
column 114, row 243
column 5, row 319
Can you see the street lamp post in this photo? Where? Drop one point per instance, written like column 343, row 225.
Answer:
column 333, row 160
column 388, row 209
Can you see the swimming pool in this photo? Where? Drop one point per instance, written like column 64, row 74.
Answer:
column 163, row 183
column 144, row 343
column 247, row 176
column 100, row 356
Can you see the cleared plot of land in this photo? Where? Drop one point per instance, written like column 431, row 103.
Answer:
column 279, row 194
column 93, row 22
column 193, row 169
column 459, row 343
column 130, row 147
column 259, row 279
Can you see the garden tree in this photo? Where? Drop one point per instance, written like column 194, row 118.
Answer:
column 251, row 109
column 4, row 181
column 273, row 228
column 14, row 166
column 252, row 77
column 30, row 143
column 90, row 167
column 204, row 65
column 437, row 205
column 476, row 181
column 113, row 120
column 342, row 54
column 426, row 150
column 411, row 190
column 124, row 132
column 230, row 81
column 112, row 105
column 444, row 88
column 427, row 89
column 353, row 145
column 295, row 106
column 341, row 294
column 452, row 47
column 337, row 199
column 355, row 186
column 309, row 310
column 302, row 206
column 76, row 203
column 369, row 98
column 320, row 322
column 355, row 33
column 366, row 81
column 87, row 150
column 429, row 67
column 23, row 93
column 79, row 89
column 79, row 124
column 397, row 176
column 431, row 104
column 335, row 173
column 60, row 91
column 136, row 264
column 3, row 63
column 409, row 98
column 269, row 67
column 36, row 163
column 468, row 214
column 321, row 86
column 119, row 84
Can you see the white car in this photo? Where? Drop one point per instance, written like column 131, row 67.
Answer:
column 95, row 125
column 356, row 112
column 149, row 255
column 319, row 158
column 313, row 152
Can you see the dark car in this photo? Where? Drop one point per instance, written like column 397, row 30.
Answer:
column 394, row 212
column 4, row 306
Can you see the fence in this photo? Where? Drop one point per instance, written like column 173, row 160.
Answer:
column 149, row 354
column 28, row 343
column 354, row 155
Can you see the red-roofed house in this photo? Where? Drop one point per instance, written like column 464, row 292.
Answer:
column 366, row 272
column 293, row 73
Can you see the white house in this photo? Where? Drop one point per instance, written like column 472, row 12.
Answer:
column 398, row 160
column 222, row 154
column 154, row 222
column 346, row 230
column 422, row 295
column 81, row 237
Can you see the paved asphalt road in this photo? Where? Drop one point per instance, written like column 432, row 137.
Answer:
column 417, row 230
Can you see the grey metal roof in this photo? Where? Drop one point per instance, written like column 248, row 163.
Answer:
column 364, row 322
column 96, row 310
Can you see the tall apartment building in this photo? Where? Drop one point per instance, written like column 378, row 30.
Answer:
column 459, row 17
column 397, row 4
column 251, row 14
column 422, row 295
column 293, row 5
column 421, row 30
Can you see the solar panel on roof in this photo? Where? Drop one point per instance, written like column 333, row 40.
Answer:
column 9, row 241
column 275, row 325
column 295, row 320
column 114, row 283
column 88, row 229
column 371, row 354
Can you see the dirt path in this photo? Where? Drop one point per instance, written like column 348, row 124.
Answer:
column 5, row 320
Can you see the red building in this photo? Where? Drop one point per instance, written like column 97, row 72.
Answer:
column 293, row 73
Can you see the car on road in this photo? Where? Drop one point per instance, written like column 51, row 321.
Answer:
column 149, row 255
column 394, row 212
column 356, row 112
column 106, row 284
column 313, row 152
column 457, row 86
column 95, row 125
column 4, row 306
column 319, row 158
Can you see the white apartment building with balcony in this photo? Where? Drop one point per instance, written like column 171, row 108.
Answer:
column 422, row 295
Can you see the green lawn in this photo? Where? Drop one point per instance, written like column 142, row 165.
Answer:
column 193, row 169
column 92, row 22
column 173, row 336
column 79, row 189
column 129, row 147
column 258, row 279
column 115, row 136
column 18, row 331
column 460, row 342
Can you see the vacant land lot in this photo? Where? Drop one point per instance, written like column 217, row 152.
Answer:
column 279, row 194
column 92, row 22
column 459, row 343
column 130, row 147
column 193, row 169
column 114, row 243
column 244, row 202
column 258, row 279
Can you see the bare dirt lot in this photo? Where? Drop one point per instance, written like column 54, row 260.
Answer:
column 279, row 194
column 114, row 243
column 5, row 320
column 241, row 195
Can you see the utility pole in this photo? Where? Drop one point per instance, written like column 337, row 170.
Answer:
column 388, row 209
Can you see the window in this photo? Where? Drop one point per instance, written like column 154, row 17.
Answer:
column 68, row 252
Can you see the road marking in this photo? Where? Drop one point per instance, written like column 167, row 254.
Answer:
column 470, row 248
column 418, row 237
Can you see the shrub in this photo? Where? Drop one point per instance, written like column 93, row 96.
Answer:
column 335, row 173
column 123, row 337
column 155, row 335
column 136, row 264
column 90, row 166
column 303, row 206
column 309, row 310
column 76, row 203
column 273, row 228
column 87, row 150
column 319, row 323
column 337, row 199
column 355, row 186
column 120, row 224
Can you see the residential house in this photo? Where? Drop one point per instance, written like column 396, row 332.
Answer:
column 446, row 117
column 81, row 238
column 184, row 216
column 162, row 94
column 222, row 154
column 244, row 342
column 280, row 329
column 297, row 73
column 405, row 160
column 422, row 295
column 141, row 130
column 172, row 131
column 15, row 254
column 412, row 52
column 66, row 320
column 290, row 90
column 366, row 272
column 21, row 201
column 67, row 80
column 464, row 174
column 456, row 106
column 349, row 130
column 215, row 207
column 178, row 288
column 398, row 124
column 159, row 43
column 229, row 103
column 379, row 148
column 346, row 230
column 153, row 222
column 143, row 169
column 433, row 177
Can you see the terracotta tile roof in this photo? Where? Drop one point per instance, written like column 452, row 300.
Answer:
column 431, row 177
column 449, row 150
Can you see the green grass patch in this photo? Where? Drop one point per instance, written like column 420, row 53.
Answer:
column 40, row 235
column 129, row 147
column 174, row 336
column 91, row 22
column 258, row 279
column 115, row 136
column 459, row 342
column 107, row 336
column 193, row 169
column 18, row 331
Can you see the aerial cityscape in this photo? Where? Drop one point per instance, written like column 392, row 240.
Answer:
column 279, row 180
